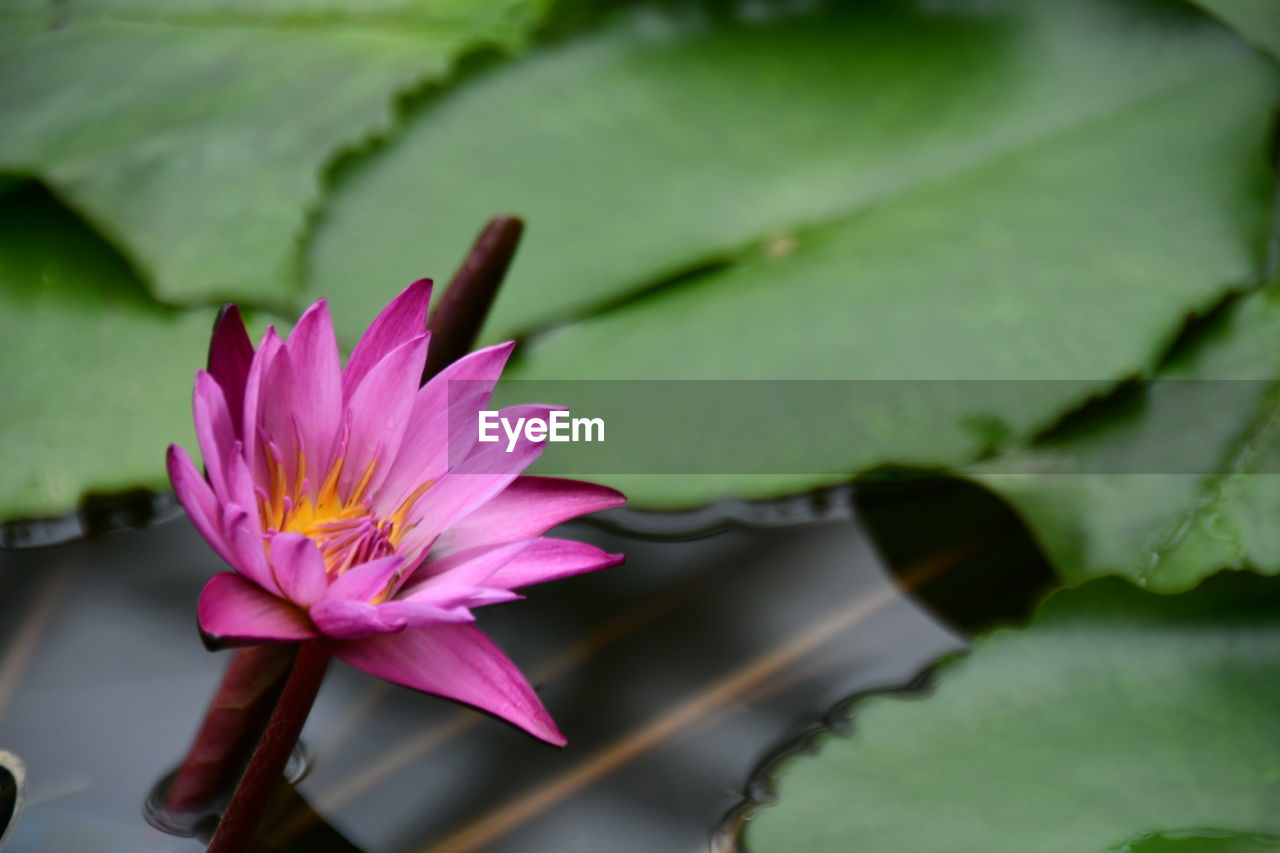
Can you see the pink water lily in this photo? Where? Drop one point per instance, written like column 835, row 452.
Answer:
column 329, row 490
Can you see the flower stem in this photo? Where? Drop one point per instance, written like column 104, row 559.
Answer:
column 230, row 730
column 266, row 767
column 455, row 323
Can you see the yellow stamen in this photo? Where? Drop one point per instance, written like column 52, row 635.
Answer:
column 365, row 478
column 402, row 512
column 342, row 525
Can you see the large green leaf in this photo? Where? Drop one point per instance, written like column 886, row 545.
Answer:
column 1257, row 20
column 942, row 191
column 1116, row 713
column 1175, row 481
column 196, row 134
column 96, row 377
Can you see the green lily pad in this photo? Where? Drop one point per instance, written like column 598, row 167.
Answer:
column 966, row 190
column 196, row 135
column 1179, row 480
column 668, row 142
column 97, row 378
column 1256, row 20
column 1116, row 713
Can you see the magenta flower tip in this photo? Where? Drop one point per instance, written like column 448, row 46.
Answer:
column 329, row 490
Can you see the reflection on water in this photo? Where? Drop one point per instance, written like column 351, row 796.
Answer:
column 100, row 514
column 673, row 677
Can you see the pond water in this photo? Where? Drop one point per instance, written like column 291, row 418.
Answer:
column 677, row 678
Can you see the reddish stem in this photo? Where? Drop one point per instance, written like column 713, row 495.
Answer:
column 456, row 320
column 249, row 802
column 231, row 728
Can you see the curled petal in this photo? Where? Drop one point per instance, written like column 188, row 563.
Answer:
column 456, row 662
column 198, row 500
column 241, row 490
column 348, row 620
column 236, row 611
column 215, row 431
column 298, row 568
column 241, row 530
column 366, row 580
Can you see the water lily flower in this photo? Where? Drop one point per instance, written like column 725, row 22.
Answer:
column 329, row 491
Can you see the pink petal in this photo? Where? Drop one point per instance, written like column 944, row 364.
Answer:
column 314, row 390
column 457, row 662
column 230, row 354
column 424, row 452
column 494, row 457
column 509, row 566
column 233, row 608
column 280, row 427
column 463, row 579
column 471, row 566
column 367, row 580
column 529, row 507
column 241, row 489
column 379, row 412
column 262, row 359
column 245, row 538
column 448, row 596
column 344, row 619
column 300, row 399
column 450, row 606
column 298, row 568
column 402, row 320
column 198, row 500
column 487, row 470
column 215, row 431
column 551, row 559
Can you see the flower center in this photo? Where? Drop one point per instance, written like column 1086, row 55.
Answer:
column 348, row 537
column 346, row 529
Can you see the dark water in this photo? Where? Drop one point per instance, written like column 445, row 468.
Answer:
column 676, row 678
